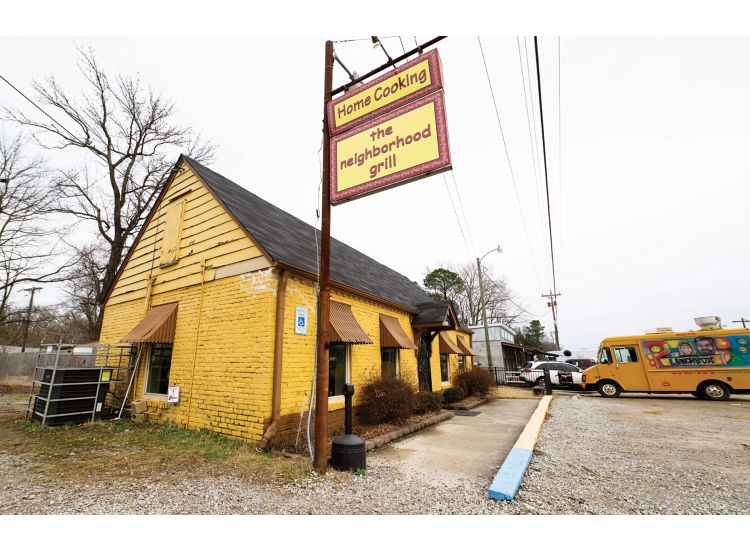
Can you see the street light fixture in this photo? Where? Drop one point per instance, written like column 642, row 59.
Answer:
column 484, row 308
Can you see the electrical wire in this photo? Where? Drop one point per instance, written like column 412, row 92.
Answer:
column 455, row 213
column 507, row 156
column 463, row 212
column 534, row 150
column 546, row 179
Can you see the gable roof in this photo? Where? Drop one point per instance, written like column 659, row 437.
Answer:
column 291, row 242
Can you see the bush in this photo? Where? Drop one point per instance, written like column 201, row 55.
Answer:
column 428, row 401
column 451, row 395
column 476, row 381
column 387, row 400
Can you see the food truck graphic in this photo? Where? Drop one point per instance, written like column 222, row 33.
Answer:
column 710, row 363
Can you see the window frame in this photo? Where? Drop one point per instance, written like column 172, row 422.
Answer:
column 627, row 347
column 397, row 353
column 152, row 395
column 347, row 376
column 447, row 368
column 461, row 363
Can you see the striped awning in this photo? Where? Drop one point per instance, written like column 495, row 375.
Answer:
column 446, row 346
column 464, row 347
column 156, row 327
column 344, row 327
column 392, row 335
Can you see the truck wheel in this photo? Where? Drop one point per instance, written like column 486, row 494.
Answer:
column 714, row 391
column 607, row 388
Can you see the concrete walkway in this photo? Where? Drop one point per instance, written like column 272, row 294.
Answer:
column 470, row 448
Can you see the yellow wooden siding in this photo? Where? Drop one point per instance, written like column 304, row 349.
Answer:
column 202, row 231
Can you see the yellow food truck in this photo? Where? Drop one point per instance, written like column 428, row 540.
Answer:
column 710, row 364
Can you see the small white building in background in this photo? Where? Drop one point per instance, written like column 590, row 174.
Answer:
column 500, row 334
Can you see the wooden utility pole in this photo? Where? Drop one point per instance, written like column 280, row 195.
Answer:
column 32, row 290
column 324, row 306
column 552, row 297
column 743, row 321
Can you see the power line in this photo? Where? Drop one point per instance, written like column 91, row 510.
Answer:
column 507, row 156
column 463, row 212
column 27, row 98
column 534, row 152
column 455, row 213
column 546, row 183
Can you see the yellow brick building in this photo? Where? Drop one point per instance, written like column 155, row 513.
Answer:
column 217, row 296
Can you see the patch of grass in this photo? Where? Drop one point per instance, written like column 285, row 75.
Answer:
column 360, row 472
column 102, row 449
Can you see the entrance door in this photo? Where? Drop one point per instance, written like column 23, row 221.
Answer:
column 628, row 367
column 423, row 364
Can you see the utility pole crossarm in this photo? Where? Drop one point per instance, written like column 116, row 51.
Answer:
column 743, row 321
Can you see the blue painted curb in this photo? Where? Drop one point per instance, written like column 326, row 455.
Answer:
column 508, row 478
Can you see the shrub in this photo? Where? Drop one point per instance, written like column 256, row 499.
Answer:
column 387, row 400
column 476, row 381
column 428, row 401
column 451, row 395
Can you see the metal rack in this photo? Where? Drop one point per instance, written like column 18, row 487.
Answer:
column 78, row 382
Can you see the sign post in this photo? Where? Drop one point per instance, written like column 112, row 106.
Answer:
column 324, row 315
column 386, row 133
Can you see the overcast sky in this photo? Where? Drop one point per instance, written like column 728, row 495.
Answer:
column 649, row 218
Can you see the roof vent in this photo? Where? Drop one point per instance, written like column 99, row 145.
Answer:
column 709, row 322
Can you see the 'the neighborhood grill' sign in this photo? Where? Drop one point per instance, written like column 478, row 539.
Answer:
column 404, row 145
column 418, row 78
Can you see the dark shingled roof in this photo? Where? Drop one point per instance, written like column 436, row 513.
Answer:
column 431, row 313
column 290, row 241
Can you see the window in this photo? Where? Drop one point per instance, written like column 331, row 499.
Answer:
column 626, row 354
column 461, row 362
column 337, row 368
column 605, row 356
column 389, row 362
column 444, row 374
column 159, row 363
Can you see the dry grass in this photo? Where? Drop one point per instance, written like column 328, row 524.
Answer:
column 105, row 449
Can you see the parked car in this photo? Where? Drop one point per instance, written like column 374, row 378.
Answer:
column 561, row 374
column 582, row 364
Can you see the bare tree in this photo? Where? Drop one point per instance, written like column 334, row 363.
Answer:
column 129, row 131
column 85, row 286
column 500, row 301
column 28, row 251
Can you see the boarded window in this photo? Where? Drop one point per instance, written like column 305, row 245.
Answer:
column 170, row 240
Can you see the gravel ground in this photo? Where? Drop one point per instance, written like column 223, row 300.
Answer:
column 641, row 455
column 626, row 456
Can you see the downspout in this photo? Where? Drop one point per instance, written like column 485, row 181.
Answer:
column 278, row 353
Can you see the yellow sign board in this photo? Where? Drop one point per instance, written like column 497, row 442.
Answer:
column 420, row 77
column 406, row 144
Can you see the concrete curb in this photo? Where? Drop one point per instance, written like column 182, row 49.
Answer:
column 384, row 439
column 508, row 479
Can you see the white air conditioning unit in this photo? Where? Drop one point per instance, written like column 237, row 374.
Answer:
column 708, row 323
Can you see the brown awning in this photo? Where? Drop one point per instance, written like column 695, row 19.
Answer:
column 465, row 348
column 446, row 346
column 392, row 335
column 157, row 326
column 344, row 327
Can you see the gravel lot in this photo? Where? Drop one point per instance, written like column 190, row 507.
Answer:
column 599, row 456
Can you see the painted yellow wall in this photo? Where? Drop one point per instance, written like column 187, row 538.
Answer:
column 364, row 359
column 223, row 348
column 224, row 339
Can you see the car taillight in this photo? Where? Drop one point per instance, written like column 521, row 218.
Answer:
column 583, row 378
column 526, row 370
